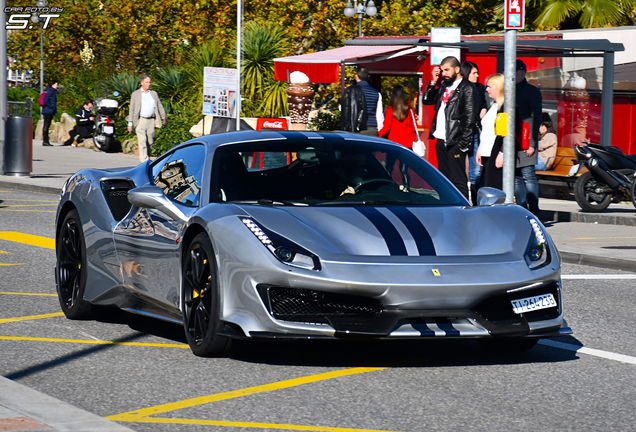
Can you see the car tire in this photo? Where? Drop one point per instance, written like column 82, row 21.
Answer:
column 72, row 269
column 586, row 199
column 200, row 300
column 508, row 344
column 632, row 191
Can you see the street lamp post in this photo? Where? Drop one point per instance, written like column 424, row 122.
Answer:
column 36, row 19
column 361, row 8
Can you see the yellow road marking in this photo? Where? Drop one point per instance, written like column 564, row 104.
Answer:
column 255, row 425
column 4, row 252
column 25, row 205
column 137, row 415
column 34, row 211
column 29, row 239
column 600, row 238
column 11, row 264
column 95, row 342
column 28, row 294
column 31, row 317
column 26, row 200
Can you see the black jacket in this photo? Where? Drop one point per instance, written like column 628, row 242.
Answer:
column 460, row 112
column 82, row 117
column 353, row 116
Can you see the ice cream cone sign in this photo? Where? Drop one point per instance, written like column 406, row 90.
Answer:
column 300, row 97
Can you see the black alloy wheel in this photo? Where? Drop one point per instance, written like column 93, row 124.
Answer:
column 586, row 195
column 72, row 269
column 200, row 300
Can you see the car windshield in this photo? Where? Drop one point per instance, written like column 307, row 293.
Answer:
column 327, row 173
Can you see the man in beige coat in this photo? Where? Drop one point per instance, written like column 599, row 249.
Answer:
column 146, row 114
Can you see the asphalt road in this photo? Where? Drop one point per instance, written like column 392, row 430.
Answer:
column 141, row 372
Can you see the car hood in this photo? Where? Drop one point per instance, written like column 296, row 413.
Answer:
column 397, row 231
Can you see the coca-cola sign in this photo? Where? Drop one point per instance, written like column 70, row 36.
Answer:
column 271, row 123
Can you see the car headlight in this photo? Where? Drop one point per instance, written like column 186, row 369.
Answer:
column 537, row 254
column 283, row 249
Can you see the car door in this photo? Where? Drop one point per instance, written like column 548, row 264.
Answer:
column 147, row 239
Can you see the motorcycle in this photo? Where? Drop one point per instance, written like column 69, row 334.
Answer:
column 611, row 177
column 106, row 107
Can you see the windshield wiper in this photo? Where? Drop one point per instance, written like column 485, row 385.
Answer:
column 269, row 202
column 365, row 202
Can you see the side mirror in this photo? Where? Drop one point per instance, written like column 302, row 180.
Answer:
column 152, row 197
column 490, row 196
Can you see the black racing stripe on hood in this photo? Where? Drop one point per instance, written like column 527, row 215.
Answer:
column 419, row 232
column 391, row 235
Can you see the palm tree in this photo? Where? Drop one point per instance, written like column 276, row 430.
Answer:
column 171, row 84
column 262, row 43
column 210, row 54
column 588, row 13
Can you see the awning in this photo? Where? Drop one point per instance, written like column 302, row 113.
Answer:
column 324, row 66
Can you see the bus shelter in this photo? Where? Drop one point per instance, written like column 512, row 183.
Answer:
column 576, row 77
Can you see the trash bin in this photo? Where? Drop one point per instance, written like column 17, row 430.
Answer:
column 18, row 146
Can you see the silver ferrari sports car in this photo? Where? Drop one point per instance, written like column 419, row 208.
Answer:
column 299, row 235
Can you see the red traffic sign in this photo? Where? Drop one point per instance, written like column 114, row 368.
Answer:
column 515, row 14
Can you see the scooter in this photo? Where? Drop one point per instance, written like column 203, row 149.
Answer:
column 611, row 177
column 104, row 135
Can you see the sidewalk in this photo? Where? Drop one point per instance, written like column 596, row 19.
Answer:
column 605, row 240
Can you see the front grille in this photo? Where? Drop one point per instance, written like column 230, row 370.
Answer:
column 116, row 192
column 309, row 306
column 498, row 309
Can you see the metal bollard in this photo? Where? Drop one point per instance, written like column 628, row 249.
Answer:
column 18, row 146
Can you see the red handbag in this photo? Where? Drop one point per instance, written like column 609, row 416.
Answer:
column 522, row 136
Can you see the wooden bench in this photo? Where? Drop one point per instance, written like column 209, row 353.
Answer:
column 557, row 176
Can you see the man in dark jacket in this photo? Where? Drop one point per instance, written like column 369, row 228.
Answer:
column 48, row 110
column 84, row 123
column 455, row 111
column 353, row 115
column 529, row 105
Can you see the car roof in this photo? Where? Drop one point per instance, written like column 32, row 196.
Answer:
column 235, row 137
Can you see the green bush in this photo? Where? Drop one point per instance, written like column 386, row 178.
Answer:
column 177, row 131
column 325, row 121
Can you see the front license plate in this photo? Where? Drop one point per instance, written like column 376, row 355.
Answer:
column 573, row 170
column 109, row 129
column 530, row 304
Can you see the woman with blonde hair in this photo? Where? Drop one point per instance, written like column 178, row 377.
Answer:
column 490, row 152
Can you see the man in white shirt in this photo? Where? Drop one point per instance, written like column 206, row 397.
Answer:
column 146, row 114
column 452, row 126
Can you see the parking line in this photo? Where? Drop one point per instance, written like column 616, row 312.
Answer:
column 94, row 342
column 143, row 414
column 31, row 317
column 255, row 425
column 29, row 239
column 28, row 294
column 11, row 264
column 603, row 277
column 589, row 351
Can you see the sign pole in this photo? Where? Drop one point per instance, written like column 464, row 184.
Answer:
column 239, row 21
column 510, row 101
column 514, row 19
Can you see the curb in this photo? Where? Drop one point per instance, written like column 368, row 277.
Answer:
column 23, row 401
column 602, row 218
column 596, row 261
column 29, row 187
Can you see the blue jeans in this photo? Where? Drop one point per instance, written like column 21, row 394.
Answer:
column 527, row 189
column 474, row 170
